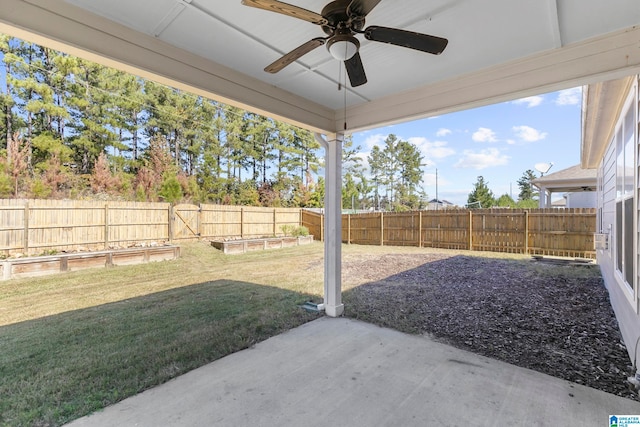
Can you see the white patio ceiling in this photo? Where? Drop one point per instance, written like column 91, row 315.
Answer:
column 498, row 50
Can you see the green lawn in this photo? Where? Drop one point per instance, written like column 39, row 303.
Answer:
column 71, row 344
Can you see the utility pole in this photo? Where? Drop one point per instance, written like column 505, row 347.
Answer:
column 437, row 200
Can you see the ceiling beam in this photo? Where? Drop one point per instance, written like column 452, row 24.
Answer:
column 554, row 22
column 62, row 26
column 614, row 55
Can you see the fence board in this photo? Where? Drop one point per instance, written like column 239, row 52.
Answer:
column 39, row 226
column 557, row 232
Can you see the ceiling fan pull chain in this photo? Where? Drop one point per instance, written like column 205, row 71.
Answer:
column 345, row 94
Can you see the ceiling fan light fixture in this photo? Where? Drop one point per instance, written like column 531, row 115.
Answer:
column 343, row 46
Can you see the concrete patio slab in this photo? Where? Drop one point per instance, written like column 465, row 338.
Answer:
column 350, row 373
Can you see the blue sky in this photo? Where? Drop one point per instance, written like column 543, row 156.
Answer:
column 499, row 142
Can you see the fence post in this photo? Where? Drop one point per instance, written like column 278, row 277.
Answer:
column 170, row 223
column 470, row 230
column 526, row 232
column 275, row 229
column 322, row 227
column 199, row 221
column 242, row 223
column 26, row 228
column 419, row 229
column 381, row 229
column 348, row 229
column 106, row 226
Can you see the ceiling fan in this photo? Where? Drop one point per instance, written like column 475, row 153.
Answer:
column 341, row 20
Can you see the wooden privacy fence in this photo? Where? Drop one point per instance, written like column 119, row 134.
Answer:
column 39, row 226
column 556, row 232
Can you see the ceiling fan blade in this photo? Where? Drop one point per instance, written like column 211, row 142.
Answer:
column 355, row 70
column 361, row 7
column 417, row 41
column 296, row 53
column 287, row 9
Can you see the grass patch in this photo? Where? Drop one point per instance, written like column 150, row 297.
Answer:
column 75, row 343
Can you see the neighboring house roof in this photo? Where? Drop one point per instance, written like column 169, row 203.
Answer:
column 441, row 202
column 569, row 180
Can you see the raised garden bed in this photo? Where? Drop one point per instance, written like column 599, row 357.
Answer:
column 241, row 246
column 51, row 264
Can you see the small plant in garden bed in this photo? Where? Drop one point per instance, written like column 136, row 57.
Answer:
column 294, row 231
column 48, row 252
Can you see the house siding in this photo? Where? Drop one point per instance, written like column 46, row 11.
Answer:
column 624, row 298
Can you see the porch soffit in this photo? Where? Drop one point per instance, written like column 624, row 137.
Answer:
column 567, row 46
column 601, row 107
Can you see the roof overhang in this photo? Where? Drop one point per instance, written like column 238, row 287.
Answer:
column 601, row 106
column 567, row 186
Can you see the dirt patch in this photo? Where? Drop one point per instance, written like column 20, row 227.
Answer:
column 551, row 318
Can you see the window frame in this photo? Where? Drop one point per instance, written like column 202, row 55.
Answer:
column 621, row 232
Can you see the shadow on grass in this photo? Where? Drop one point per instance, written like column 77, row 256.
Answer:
column 57, row 368
column 554, row 319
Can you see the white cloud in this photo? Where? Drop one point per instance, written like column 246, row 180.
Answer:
column 443, row 132
column 529, row 134
column 482, row 159
column 429, row 180
column 569, row 96
column 484, row 135
column 432, row 149
column 530, row 101
column 372, row 140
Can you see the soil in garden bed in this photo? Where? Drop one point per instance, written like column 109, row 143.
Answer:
column 554, row 319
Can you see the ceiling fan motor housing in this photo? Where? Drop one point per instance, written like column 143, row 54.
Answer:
column 336, row 15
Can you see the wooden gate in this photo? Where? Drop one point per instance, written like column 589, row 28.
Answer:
column 185, row 222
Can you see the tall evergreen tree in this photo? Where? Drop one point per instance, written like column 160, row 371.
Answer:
column 481, row 196
column 93, row 124
column 527, row 191
column 377, row 168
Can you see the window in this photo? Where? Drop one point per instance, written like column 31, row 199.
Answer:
column 625, row 137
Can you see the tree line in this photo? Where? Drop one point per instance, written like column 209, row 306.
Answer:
column 72, row 128
column 482, row 197
column 76, row 129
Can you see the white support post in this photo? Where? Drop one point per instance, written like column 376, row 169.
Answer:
column 333, row 225
column 543, row 198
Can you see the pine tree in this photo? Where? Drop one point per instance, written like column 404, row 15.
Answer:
column 526, row 187
column 376, row 167
column 92, row 125
column 505, row 201
column 102, row 179
column 17, row 158
column 480, row 196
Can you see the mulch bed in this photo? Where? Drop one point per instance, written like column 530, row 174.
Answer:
column 555, row 319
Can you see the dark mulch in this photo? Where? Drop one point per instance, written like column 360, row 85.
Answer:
column 555, row 319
